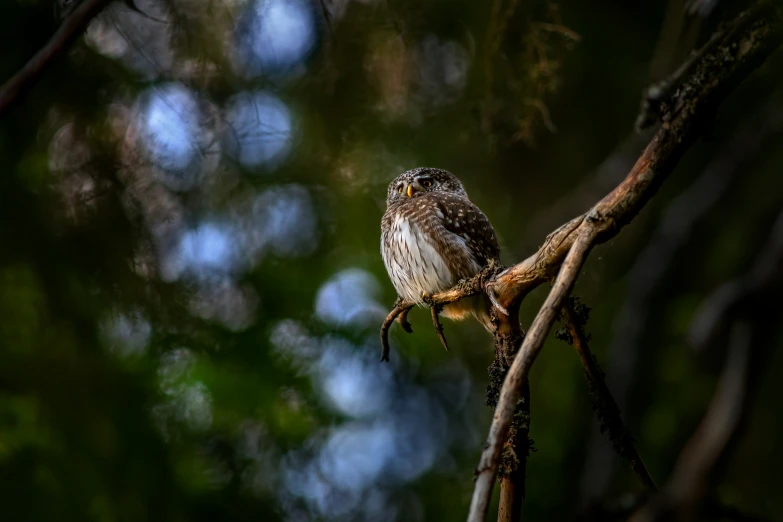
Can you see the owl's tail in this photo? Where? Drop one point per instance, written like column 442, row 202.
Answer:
column 478, row 306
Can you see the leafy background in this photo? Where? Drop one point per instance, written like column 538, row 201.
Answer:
column 191, row 285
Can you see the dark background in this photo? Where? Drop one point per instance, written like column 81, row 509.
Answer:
column 190, row 279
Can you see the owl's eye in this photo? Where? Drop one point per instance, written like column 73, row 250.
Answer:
column 399, row 189
column 426, row 182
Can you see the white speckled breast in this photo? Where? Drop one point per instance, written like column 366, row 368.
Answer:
column 414, row 264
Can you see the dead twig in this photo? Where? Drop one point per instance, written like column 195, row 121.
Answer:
column 70, row 29
column 604, row 404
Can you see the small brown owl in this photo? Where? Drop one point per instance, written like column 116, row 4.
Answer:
column 432, row 236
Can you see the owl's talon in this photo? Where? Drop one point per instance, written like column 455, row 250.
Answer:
column 439, row 327
column 494, row 301
column 402, row 320
column 400, row 309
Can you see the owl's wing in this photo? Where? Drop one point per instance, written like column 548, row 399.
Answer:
column 464, row 219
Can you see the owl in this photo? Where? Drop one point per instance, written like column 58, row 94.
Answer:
column 432, row 236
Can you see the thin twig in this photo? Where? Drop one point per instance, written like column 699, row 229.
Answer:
column 604, row 404
column 719, row 72
column 71, row 28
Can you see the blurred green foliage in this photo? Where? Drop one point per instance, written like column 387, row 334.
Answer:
column 190, row 278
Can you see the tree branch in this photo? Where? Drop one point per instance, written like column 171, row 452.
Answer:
column 517, row 374
column 70, row 29
column 718, row 72
column 513, row 470
column 660, row 98
column 759, row 129
column 518, row 445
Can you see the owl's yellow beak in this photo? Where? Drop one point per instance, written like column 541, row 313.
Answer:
column 410, row 191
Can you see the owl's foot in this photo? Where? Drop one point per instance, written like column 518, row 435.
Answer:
column 400, row 309
column 436, row 309
column 439, row 327
column 494, row 300
column 402, row 320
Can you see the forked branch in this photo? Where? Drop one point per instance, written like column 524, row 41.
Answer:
column 517, row 375
column 717, row 73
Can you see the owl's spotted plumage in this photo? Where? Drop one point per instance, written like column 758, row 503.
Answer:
column 433, row 236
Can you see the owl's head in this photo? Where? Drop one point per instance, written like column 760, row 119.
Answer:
column 417, row 182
